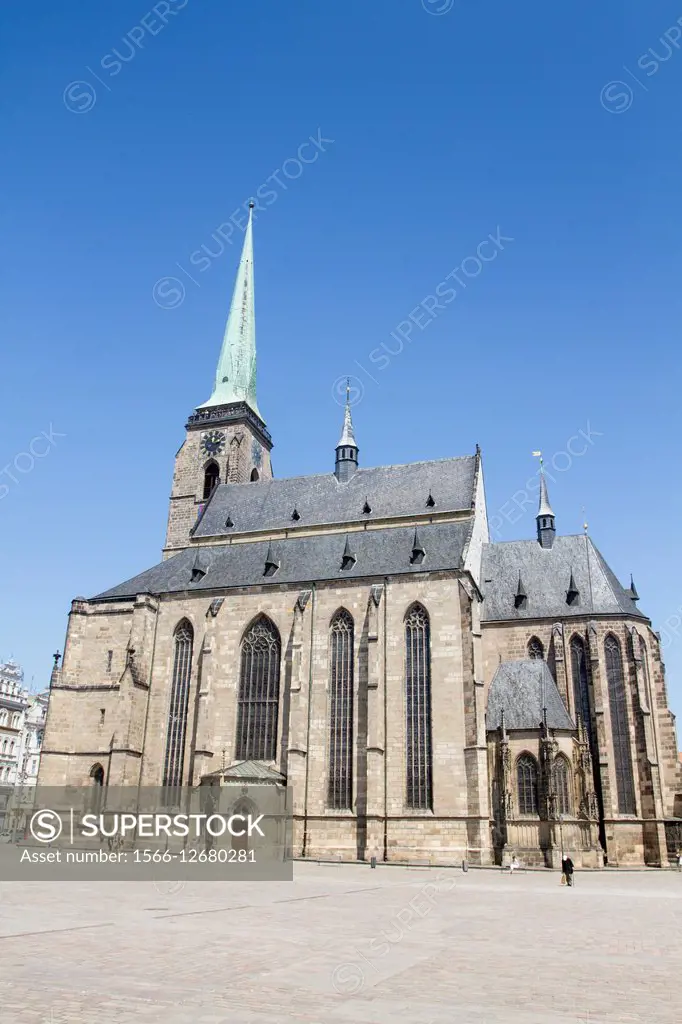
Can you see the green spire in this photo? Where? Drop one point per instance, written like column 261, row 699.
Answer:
column 236, row 374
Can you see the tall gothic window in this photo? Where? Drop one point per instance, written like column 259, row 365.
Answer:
column 561, row 778
column 418, row 708
column 535, row 649
column 211, row 479
column 340, row 786
column 258, row 702
column 527, row 777
column 581, row 686
column 177, row 715
column 620, row 731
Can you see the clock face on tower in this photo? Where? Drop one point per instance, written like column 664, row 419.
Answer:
column 213, row 442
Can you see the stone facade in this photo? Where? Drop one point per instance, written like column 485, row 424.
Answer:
column 113, row 712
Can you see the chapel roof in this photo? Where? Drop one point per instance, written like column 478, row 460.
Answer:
column 521, row 690
column 548, row 575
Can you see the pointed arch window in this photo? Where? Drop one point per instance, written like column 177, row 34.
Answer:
column 561, row 779
column 258, row 702
column 211, row 479
column 418, row 708
column 620, row 730
column 254, row 475
column 183, row 640
column 536, row 651
column 340, row 783
column 581, row 687
column 527, row 780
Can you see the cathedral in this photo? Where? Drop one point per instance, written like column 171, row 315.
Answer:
column 428, row 696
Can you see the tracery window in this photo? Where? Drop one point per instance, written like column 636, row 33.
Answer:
column 581, row 686
column 535, row 649
column 418, row 709
column 179, row 702
column 620, row 731
column 527, row 777
column 340, row 782
column 258, row 702
column 561, row 779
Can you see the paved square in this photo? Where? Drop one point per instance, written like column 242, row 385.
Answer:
column 346, row 944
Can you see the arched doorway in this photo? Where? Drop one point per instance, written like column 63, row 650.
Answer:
column 97, row 776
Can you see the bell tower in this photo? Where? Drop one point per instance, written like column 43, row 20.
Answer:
column 226, row 439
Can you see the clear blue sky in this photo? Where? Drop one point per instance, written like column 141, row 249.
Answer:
column 446, row 127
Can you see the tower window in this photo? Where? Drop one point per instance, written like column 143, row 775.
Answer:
column 211, row 479
column 254, row 475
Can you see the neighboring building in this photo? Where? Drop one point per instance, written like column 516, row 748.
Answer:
column 427, row 694
column 32, row 738
column 13, row 705
column 22, row 725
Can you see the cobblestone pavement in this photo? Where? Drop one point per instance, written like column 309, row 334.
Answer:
column 345, row 944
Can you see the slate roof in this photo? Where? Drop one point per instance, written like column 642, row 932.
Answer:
column 546, row 574
column 304, row 559
column 522, row 689
column 256, row 771
column 389, row 491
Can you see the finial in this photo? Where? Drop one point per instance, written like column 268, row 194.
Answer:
column 633, row 589
column 252, row 205
column 538, row 455
column 584, row 521
column 347, row 390
column 56, row 656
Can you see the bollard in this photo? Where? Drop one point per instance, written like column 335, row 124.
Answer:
column 373, row 862
column 465, row 866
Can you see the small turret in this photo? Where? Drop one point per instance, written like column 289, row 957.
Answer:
column 347, row 449
column 545, row 516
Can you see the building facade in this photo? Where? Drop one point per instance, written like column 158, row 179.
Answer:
column 22, row 725
column 13, row 705
column 428, row 695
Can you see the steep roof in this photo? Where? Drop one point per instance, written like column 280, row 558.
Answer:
column 382, row 552
column 546, row 576
column 389, row 491
column 522, row 689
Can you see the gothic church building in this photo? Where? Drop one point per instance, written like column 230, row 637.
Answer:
column 428, row 695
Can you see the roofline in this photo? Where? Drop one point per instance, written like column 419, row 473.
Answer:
column 587, row 617
column 224, row 591
column 360, row 469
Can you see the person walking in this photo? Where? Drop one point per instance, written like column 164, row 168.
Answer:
column 567, row 868
column 679, row 860
column 514, row 865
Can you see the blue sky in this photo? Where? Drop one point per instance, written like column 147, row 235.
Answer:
column 131, row 135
